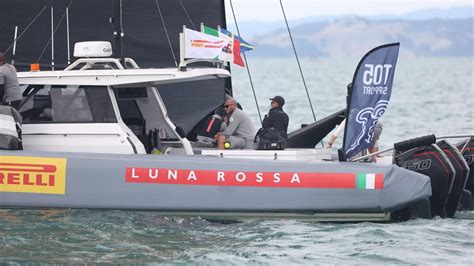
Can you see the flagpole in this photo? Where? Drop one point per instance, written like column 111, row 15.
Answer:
column 181, row 49
column 219, row 32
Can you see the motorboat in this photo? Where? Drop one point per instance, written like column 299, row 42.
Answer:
column 90, row 132
column 86, row 136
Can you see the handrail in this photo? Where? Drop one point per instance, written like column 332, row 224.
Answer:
column 90, row 62
column 437, row 138
column 217, row 62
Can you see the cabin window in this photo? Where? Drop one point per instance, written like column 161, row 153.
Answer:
column 67, row 104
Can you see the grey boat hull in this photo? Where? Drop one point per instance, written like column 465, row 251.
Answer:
column 203, row 185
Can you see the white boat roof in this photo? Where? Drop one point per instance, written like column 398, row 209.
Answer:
column 111, row 77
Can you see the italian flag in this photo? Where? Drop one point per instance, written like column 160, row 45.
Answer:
column 369, row 181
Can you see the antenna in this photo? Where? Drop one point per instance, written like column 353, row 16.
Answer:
column 67, row 33
column 181, row 48
column 118, row 31
column 27, row 27
column 14, row 45
column 52, row 37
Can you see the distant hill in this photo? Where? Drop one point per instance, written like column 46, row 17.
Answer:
column 252, row 28
column 348, row 36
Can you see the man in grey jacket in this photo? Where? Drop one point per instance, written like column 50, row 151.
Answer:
column 10, row 93
column 240, row 131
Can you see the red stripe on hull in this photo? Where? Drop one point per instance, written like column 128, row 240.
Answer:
column 245, row 178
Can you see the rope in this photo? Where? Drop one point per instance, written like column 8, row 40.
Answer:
column 55, row 29
column 185, row 11
column 297, row 60
column 246, row 64
column 27, row 27
column 166, row 32
column 299, row 65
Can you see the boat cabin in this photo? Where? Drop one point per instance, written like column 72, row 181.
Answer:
column 103, row 105
column 106, row 105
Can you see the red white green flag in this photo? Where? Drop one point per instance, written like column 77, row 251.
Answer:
column 369, row 181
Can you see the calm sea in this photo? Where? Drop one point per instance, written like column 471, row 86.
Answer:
column 429, row 96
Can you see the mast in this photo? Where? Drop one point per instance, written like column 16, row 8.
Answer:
column 118, row 30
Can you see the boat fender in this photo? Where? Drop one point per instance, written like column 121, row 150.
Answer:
column 415, row 142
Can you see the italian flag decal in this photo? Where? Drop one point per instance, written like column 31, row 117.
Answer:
column 369, row 181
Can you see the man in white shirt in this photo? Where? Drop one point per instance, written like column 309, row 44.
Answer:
column 240, row 130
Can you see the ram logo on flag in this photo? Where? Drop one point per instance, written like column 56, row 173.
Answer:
column 227, row 50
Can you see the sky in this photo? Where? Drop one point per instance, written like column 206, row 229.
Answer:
column 270, row 10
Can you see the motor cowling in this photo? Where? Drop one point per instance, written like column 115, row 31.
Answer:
column 430, row 160
column 466, row 148
column 10, row 128
column 462, row 174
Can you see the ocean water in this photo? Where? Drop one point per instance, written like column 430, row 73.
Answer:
column 430, row 96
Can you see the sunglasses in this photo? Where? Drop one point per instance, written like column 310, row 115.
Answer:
column 227, row 106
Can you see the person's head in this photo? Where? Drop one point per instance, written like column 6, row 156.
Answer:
column 277, row 101
column 230, row 105
column 3, row 59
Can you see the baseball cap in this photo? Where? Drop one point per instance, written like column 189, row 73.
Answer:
column 280, row 100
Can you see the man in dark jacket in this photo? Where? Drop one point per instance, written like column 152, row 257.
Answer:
column 276, row 117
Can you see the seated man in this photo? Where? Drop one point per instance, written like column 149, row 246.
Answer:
column 276, row 117
column 240, row 130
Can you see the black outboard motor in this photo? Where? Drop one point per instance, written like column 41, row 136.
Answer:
column 10, row 129
column 422, row 156
column 467, row 150
column 462, row 174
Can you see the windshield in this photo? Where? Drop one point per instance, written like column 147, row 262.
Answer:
column 67, row 104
